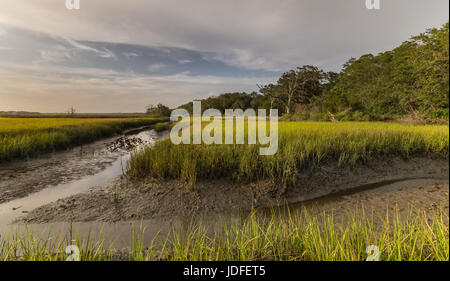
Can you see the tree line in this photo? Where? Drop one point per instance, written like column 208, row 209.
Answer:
column 410, row 80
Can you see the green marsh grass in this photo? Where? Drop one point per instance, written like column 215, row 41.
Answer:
column 289, row 237
column 28, row 137
column 159, row 127
column 302, row 145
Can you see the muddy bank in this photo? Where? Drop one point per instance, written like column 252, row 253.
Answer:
column 405, row 182
column 21, row 178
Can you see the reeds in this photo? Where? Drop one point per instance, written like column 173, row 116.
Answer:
column 302, row 145
column 285, row 237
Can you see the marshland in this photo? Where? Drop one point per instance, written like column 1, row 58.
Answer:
column 331, row 190
column 362, row 162
column 27, row 137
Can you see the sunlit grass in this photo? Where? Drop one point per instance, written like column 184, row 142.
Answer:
column 302, row 145
column 293, row 236
column 27, row 137
column 307, row 237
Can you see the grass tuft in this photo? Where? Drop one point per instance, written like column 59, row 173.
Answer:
column 278, row 236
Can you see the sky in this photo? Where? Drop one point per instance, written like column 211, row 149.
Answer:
column 119, row 56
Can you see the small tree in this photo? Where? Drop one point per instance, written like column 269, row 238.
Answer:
column 158, row 110
column 71, row 111
column 150, row 109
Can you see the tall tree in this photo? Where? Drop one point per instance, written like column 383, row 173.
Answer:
column 295, row 87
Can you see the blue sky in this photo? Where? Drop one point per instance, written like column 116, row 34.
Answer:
column 118, row 56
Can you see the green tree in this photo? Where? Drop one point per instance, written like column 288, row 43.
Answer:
column 158, row 110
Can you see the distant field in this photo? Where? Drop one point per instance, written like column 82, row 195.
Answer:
column 76, row 115
column 302, row 145
column 27, row 137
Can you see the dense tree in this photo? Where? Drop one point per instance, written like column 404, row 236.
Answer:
column 158, row 110
column 295, row 87
column 232, row 101
column 412, row 79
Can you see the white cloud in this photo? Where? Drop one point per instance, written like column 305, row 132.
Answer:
column 184, row 61
column 79, row 45
column 130, row 54
column 156, row 67
column 253, row 33
column 53, row 88
column 105, row 53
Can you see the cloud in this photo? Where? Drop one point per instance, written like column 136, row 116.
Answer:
column 44, row 49
column 49, row 73
column 257, row 34
column 121, row 54
column 130, row 54
column 184, row 61
column 99, row 90
column 156, row 67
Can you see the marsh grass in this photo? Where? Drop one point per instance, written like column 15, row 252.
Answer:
column 256, row 237
column 301, row 145
column 159, row 127
column 25, row 246
column 304, row 237
column 28, row 137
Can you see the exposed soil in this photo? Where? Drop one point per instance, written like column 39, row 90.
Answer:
column 21, row 178
column 426, row 196
column 419, row 181
column 124, row 143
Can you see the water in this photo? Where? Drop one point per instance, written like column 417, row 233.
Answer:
column 12, row 210
column 119, row 234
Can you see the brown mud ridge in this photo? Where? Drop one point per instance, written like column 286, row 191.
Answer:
column 420, row 182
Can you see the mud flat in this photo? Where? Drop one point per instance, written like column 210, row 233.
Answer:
column 26, row 185
column 20, row 178
column 379, row 186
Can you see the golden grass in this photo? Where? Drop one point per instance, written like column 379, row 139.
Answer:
column 288, row 237
column 302, row 145
column 27, row 137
